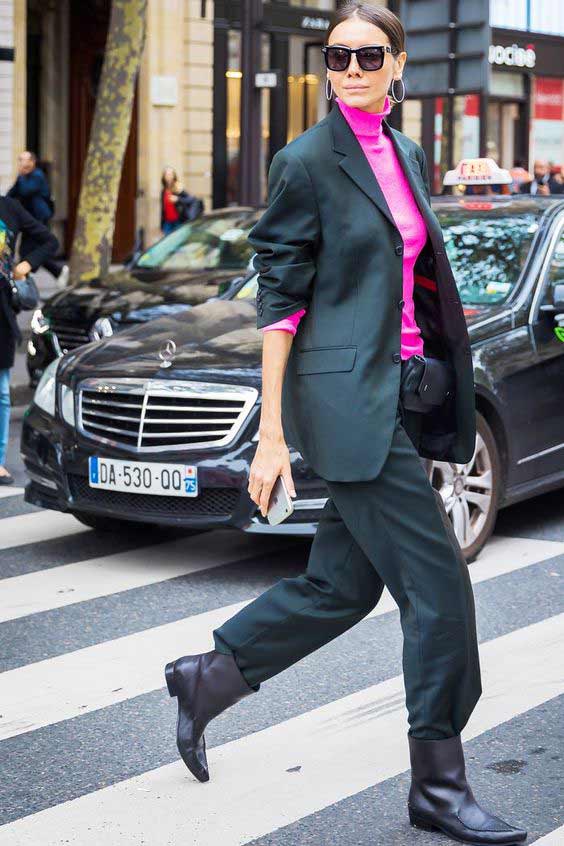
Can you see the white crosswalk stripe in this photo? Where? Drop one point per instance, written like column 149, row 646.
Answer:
column 95, row 677
column 37, row 527
column 59, row 586
column 555, row 838
column 253, row 790
column 12, row 490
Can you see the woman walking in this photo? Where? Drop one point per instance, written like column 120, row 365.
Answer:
column 170, row 193
column 352, row 265
column 40, row 245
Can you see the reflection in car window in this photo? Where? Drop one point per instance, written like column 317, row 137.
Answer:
column 487, row 251
column 218, row 241
column 249, row 290
column 556, row 270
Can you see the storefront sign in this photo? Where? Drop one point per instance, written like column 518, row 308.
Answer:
column 266, row 79
column 513, row 55
column 314, row 23
column 164, row 90
column 547, row 135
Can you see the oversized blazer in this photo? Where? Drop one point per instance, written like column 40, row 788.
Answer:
column 328, row 242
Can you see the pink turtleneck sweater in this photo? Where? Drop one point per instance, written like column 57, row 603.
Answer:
column 382, row 157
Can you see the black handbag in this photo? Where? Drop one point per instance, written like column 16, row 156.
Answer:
column 25, row 294
column 426, row 383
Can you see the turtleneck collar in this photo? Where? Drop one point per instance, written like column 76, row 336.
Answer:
column 363, row 122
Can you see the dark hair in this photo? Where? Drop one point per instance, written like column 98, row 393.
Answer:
column 377, row 15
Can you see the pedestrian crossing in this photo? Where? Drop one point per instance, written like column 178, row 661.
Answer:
column 34, row 528
column 263, row 780
column 10, row 491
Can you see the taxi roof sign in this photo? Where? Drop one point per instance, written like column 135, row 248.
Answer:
column 477, row 172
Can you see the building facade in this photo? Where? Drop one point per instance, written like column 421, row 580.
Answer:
column 188, row 106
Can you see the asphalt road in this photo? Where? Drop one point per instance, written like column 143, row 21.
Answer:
column 318, row 756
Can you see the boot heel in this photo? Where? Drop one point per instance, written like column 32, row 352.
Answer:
column 169, row 675
column 418, row 822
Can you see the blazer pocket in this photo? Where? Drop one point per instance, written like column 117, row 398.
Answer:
column 325, row 359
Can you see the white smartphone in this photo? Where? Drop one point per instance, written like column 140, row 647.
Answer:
column 281, row 504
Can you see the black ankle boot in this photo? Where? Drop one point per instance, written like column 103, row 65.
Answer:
column 440, row 798
column 205, row 685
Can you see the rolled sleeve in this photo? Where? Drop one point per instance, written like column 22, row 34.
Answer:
column 285, row 240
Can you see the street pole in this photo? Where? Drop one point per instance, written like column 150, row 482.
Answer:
column 250, row 137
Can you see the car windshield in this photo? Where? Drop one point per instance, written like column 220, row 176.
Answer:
column 487, row 250
column 212, row 241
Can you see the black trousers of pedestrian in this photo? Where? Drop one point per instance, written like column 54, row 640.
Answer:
column 394, row 531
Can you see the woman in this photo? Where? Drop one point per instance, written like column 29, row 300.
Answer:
column 171, row 190
column 40, row 245
column 347, row 232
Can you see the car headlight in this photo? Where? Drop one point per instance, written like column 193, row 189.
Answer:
column 39, row 323
column 67, row 404
column 44, row 396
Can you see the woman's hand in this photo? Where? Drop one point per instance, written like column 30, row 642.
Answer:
column 272, row 459
column 22, row 269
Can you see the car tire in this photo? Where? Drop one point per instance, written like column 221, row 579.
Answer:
column 471, row 492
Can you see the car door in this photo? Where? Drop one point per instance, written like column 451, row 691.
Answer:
column 545, row 444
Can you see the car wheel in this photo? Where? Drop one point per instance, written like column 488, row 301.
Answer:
column 471, row 492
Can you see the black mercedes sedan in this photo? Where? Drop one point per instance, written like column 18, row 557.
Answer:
column 196, row 262
column 159, row 423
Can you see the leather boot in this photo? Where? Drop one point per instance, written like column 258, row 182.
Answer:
column 205, row 685
column 440, row 798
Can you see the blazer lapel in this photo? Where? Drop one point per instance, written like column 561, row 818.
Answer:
column 355, row 163
column 410, row 167
column 357, row 166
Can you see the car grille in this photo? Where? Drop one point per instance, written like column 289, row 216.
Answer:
column 210, row 501
column 70, row 335
column 153, row 416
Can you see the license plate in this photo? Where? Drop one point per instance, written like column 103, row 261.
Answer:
column 143, row 477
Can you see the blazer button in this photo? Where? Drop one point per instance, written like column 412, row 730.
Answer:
column 401, row 304
column 396, row 358
column 399, row 250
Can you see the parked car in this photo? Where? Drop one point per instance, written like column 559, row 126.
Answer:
column 159, row 423
column 194, row 263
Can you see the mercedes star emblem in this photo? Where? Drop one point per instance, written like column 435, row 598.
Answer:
column 167, row 352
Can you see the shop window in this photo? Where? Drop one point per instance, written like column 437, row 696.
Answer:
column 233, row 130
column 412, row 121
column 466, row 127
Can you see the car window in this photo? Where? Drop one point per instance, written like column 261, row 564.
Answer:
column 555, row 275
column 218, row 241
column 248, row 291
column 487, row 250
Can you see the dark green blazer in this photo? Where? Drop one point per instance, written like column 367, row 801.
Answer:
column 328, row 242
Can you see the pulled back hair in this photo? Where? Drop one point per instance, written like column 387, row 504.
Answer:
column 377, row 15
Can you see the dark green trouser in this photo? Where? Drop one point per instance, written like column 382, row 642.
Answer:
column 391, row 530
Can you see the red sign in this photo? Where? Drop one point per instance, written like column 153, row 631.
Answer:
column 549, row 99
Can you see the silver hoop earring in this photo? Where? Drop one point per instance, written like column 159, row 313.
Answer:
column 393, row 93
column 327, row 93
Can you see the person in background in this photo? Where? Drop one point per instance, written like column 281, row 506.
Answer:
column 543, row 182
column 557, row 179
column 32, row 190
column 170, row 193
column 40, row 246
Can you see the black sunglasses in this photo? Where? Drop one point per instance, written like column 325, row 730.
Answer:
column 370, row 58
